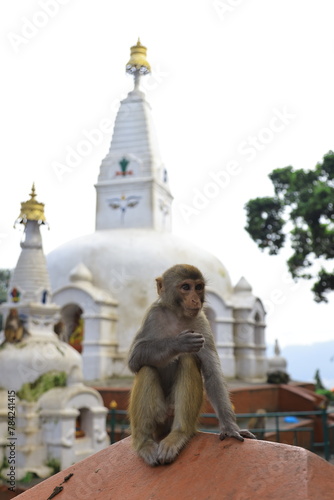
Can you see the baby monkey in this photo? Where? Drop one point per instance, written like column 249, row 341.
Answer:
column 171, row 355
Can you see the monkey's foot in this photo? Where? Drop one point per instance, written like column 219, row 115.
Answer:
column 149, row 452
column 170, row 447
column 247, row 434
column 237, row 434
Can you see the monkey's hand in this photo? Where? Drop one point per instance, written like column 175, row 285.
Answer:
column 235, row 432
column 189, row 341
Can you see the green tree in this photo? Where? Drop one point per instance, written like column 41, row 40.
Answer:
column 4, row 283
column 303, row 209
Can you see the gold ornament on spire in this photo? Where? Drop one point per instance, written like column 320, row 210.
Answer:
column 138, row 62
column 31, row 210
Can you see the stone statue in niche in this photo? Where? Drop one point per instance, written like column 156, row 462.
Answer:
column 15, row 294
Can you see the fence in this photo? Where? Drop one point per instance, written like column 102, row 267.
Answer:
column 276, row 428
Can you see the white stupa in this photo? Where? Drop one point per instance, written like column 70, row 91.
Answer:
column 108, row 277
column 47, row 415
column 29, row 297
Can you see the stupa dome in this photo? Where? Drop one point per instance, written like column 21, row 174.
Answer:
column 142, row 252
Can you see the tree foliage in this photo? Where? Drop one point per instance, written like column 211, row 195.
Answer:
column 303, row 200
column 4, row 282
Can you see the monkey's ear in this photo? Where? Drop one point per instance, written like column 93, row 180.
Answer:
column 159, row 285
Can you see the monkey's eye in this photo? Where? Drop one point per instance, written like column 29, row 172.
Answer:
column 185, row 286
column 199, row 286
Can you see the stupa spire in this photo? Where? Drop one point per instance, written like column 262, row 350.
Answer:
column 132, row 188
column 31, row 210
column 30, row 279
column 138, row 64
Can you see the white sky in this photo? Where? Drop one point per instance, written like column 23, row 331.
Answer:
column 225, row 72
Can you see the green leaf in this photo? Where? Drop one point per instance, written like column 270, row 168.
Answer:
column 305, row 198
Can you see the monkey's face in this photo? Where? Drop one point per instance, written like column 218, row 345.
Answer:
column 182, row 289
column 190, row 294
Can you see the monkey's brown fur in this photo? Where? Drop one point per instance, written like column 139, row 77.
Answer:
column 152, row 415
column 13, row 327
column 172, row 354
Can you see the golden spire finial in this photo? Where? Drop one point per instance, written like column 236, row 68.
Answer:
column 138, row 62
column 31, row 210
column 33, row 192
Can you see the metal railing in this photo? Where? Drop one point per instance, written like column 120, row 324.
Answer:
column 117, row 420
column 122, row 423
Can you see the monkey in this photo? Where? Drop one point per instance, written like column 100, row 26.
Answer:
column 14, row 329
column 58, row 328
column 258, row 422
column 172, row 354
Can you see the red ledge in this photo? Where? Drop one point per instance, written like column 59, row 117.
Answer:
column 207, row 469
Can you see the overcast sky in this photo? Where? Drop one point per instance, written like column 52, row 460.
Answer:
column 239, row 87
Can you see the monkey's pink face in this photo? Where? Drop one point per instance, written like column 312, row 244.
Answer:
column 191, row 293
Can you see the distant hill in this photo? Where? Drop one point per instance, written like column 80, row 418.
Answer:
column 304, row 360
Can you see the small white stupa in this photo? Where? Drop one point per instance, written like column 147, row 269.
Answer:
column 54, row 418
column 277, row 363
column 107, row 279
